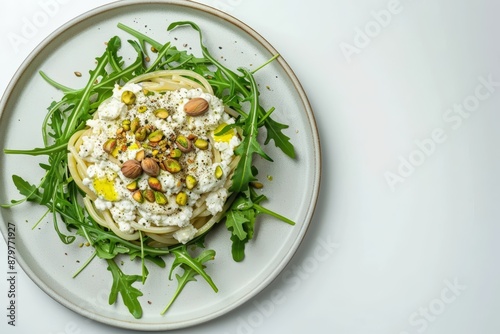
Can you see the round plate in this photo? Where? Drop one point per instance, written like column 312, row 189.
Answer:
column 291, row 185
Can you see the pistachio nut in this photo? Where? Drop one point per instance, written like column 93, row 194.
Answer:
column 137, row 196
column 149, row 195
column 202, row 144
column 160, row 198
column 155, row 136
column 256, row 184
column 191, row 182
column 171, row 165
column 183, row 143
column 218, row 172
column 154, row 183
column 141, row 133
column 109, row 145
column 181, row 198
column 161, row 113
column 126, row 124
column 175, row 153
column 128, row 97
column 132, row 186
column 135, row 124
column 140, row 155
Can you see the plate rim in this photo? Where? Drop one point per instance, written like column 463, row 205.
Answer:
column 317, row 165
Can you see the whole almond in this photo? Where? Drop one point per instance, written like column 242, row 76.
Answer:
column 150, row 167
column 131, row 169
column 196, row 106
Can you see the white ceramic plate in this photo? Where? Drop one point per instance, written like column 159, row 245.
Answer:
column 292, row 191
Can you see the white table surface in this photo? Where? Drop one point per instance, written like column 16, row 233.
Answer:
column 405, row 235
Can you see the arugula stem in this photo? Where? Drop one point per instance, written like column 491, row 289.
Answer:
column 85, row 97
column 140, row 36
column 160, row 56
column 266, row 63
column 39, row 151
column 274, row 214
column 85, row 264
column 41, row 218
column 55, row 84
column 143, row 266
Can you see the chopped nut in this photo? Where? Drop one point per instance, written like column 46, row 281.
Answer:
column 256, row 185
column 161, row 113
column 175, row 153
column 126, row 124
column 191, row 182
column 171, row 165
column 109, row 145
column 181, row 198
column 202, row 144
column 141, row 133
column 160, row 198
column 149, row 195
column 139, row 156
column 218, row 172
column 132, row 186
column 137, row 196
column 135, row 124
column 128, row 97
column 183, row 143
column 154, row 183
column 156, row 136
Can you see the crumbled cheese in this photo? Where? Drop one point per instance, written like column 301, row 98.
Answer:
column 111, row 109
column 185, row 234
column 198, row 163
column 215, row 200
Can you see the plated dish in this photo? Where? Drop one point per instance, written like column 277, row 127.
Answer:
column 234, row 45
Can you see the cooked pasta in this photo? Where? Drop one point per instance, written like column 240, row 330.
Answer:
column 153, row 160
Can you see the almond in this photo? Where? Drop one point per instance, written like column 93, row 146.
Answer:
column 131, row 169
column 150, row 167
column 196, row 106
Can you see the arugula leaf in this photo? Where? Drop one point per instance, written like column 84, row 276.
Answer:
column 26, row 189
column 241, row 218
column 243, row 173
column 184, row 259
column 235, row 221
column 238, row 248
column 192, row 267
column 123, row 284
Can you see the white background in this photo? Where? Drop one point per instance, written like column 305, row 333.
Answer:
column 386, row 80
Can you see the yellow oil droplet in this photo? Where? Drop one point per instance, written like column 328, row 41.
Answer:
column 133, row 146
column 226, row 137
column 106, row 188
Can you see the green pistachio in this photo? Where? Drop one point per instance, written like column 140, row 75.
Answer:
column 128, row 97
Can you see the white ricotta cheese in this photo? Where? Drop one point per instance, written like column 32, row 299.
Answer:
column 108, row 124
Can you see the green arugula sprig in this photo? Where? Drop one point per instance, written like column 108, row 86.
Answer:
column 123, row 284
column 61, row 196
column 192, row 267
